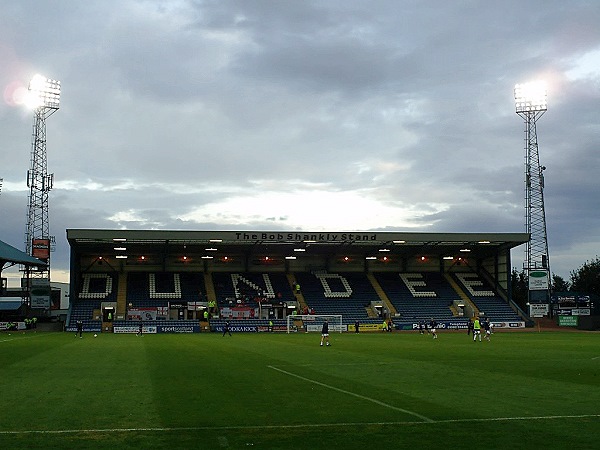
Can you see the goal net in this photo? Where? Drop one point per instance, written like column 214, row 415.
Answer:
column 314, row 323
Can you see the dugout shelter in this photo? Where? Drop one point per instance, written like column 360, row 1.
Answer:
column 10, row 256
column 14, row 306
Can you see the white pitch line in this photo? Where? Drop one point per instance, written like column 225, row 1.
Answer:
column 395, row 408
column 296, row 426
column 507, row 419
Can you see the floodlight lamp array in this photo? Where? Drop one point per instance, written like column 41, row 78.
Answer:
column 531, row 97
column 44, row 92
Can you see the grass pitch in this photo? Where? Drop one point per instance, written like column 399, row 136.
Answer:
column 279, row 391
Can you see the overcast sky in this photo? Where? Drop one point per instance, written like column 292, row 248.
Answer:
column 304, row 115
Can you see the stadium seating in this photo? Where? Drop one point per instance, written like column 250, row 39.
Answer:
column 95, row 289
column 482, row 295
column 159, row 289
column 246, row 287
column 416, row 296
column 348, row 294
column 419, row 296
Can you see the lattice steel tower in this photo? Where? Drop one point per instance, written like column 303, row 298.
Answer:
column 531, row 104
column 44, row 98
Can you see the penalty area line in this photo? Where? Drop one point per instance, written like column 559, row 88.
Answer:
column 297, row 426
column 362, row 397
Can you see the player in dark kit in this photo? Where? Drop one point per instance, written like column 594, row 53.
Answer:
column 226, row 328
column 488, row 328
column 433, row 326
column 325, row 333
column 79, row 329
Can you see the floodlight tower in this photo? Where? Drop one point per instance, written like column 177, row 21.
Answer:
column 44, row 98
column 531, row 104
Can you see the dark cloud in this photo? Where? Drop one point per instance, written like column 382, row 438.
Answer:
column 171, row 107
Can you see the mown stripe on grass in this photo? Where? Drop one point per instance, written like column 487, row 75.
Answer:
column 343, row 391
column 20, row 338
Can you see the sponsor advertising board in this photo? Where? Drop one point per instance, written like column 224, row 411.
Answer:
column 332, row 328
column 40, row 293
column 40, row 249
column 453, row 325
column 154, row 329
column 568, row 321
column 237, row 328
column 538, row 280
column 538, row 309
column 134, row 329
column 20, row 325
column 365, row 327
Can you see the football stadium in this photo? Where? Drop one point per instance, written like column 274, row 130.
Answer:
column 207, row 339
column 292, row 339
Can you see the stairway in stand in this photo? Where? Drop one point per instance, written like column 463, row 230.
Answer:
column 382, row 295
column 299, row 297
column 122, row 297
column 464, row 297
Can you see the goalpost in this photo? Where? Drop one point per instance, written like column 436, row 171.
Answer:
column 314, row 322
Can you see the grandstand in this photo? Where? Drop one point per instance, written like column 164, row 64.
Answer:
column 488, row 304
column 256, row 280
column 348, row 294
column 432, row 299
